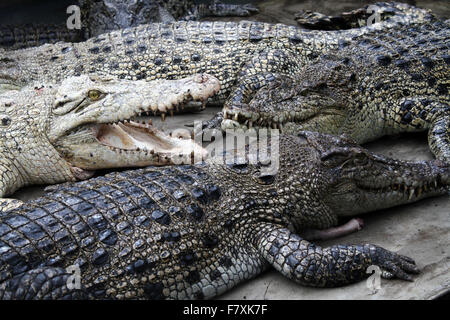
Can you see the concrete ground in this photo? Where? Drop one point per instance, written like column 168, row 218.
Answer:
column 419, row 230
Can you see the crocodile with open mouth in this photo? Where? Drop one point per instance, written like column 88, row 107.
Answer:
column 195, row 231
column 55, row 133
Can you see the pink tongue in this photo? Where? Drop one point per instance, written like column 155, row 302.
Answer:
column 113, row 135
column 82, row 174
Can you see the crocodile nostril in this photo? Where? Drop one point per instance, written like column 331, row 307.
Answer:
column 6, row 121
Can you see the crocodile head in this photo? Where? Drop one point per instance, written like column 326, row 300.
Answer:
column 57, row 133
column 311, row 177
column 314, row 100
column 359, row 181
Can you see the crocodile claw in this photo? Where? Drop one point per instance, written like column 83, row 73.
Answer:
column 394, row 265
column 248, row 9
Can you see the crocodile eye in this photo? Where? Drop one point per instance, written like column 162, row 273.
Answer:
column 5, row 121
column 266, row 179
column 361, row 160
column 94, row 95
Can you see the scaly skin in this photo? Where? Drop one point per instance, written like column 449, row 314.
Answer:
column 14, row 37
column 109, row 15
column 103, row 16
column 196, row 231
column 360, row 17
column 51, row 134
column 243, row 56
column 394, row 82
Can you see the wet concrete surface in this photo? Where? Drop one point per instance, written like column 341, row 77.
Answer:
column 419, row 230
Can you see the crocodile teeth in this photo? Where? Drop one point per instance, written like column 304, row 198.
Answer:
column 163, row 116
column 418, row 191
column 411, row 193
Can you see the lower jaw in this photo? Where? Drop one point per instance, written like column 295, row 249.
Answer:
column 81, row 174
column 386, row 200
column 369, row 201
column 126, row 145
column 96, row 156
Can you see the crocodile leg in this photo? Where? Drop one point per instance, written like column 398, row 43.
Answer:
column 351, row 226
column 417, row 114
column 10, row 177
column 311, row 265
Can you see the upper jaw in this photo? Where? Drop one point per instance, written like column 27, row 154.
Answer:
column 251, row 117
column 421, row 180
column 385, row 183
column 278, row 119
column 127, row 100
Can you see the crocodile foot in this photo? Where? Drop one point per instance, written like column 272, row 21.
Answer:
column 394, row 265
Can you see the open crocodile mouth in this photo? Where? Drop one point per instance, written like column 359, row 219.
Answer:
column 140, row 137
column 125, row 140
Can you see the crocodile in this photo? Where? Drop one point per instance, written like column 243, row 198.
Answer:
column 391, row 83
column 51, row 134
column 108, row 15
column 360, row 17
column 195, row 231
column 103, row 16
column 244, row 56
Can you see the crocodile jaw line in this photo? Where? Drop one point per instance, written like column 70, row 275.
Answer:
column 134, row 136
